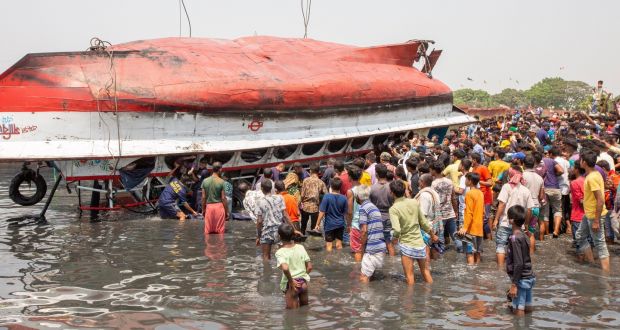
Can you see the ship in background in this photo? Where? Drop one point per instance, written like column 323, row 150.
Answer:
column 248, row 103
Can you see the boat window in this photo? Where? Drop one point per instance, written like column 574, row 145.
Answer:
column 284, row 152
column 251, row 156
column 379, row 139
column 311, row 148
column 139, row 164
column 222, row 157
column 335, row 146
column 359, row 142
column 170, row 160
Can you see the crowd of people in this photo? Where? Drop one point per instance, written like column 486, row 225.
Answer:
column 514, row 179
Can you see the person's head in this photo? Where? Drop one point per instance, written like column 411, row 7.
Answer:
column 436, row 168
column 280, row 167
column 500, row 153
column 577, row 171
column 362, row 194
column 465, row 165
column 217, row 167
column 381, row 171
column 336, row 184
column 472, row 179
column 243, row 187
column 355, row 173
column 339, row 166
column 538, row 156
column 588, row 158
column 603, row 164
column 266, row 186
column 359, row 162
column 459, row 154
column 370, row 158
column 475, row 158
column 298, row 168
column 529, row 162
column 385, row 157
column 424, row 168
column 268, row 173
column 314, row 168
column 279, row 185
column 599, row 84
column 203, row 162
column 397, row 188
column 516, row 215
column 331, row 161
column 571, row 145
column 286, row 232
column 412, row 165
column 555, row 151
column 426, row 180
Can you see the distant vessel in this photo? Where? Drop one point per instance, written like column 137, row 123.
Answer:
column 247, row 102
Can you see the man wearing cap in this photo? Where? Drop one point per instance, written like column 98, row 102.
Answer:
column 531, row 136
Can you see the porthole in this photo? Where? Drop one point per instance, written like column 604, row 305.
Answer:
column 252, row 156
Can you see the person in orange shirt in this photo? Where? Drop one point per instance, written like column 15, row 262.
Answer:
column 290, row 202
column 486, row 182
column 472, row 229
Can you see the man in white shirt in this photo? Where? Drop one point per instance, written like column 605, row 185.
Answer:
column 429, row 204
column 564, row 188
column 535, row 183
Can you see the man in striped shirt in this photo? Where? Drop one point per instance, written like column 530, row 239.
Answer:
column 372, row 238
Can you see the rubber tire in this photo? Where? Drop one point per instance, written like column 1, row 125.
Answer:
column 29, row 175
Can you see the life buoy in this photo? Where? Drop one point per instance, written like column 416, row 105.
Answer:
column 29, row 176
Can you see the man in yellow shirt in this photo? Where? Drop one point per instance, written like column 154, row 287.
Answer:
column 452, row 171
column 594, row 206
column 498, row 165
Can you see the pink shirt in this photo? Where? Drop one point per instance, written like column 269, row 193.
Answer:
column 576, row 191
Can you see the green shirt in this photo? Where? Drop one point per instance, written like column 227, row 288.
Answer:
column 407, row 218
column 295, row 257
column 213, row 187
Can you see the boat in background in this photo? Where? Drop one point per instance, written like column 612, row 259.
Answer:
column 248, row 103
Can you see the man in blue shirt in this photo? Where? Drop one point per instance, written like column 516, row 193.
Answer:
column 333, row 208
column 175, row 191
column 543, row 135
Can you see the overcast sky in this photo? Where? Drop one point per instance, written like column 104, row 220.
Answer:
column 497, row 43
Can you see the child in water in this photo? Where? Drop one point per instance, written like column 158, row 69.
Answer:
column 295, row 264
column 519, row 264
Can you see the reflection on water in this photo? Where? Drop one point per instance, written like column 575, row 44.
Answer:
column 136, row 271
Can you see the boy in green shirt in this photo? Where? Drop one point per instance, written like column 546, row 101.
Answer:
column 407, row 219
column 295, row 264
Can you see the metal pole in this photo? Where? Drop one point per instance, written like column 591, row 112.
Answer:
column 49, row 200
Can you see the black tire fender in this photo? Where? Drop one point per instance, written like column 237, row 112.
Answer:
column 29, row 176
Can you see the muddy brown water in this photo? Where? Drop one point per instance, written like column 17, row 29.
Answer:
column 136, row 271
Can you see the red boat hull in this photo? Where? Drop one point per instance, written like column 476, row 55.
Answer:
column 183, row 74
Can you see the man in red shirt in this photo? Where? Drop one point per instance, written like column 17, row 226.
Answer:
column 342, row 173
column 486, row 184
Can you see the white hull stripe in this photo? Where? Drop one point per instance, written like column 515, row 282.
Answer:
column 93, row 135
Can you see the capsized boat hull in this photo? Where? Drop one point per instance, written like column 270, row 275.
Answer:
column 193, row 96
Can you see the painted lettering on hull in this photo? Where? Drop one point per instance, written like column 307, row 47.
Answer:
column 8, row 128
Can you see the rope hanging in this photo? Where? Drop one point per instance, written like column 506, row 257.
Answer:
column 305, row 13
